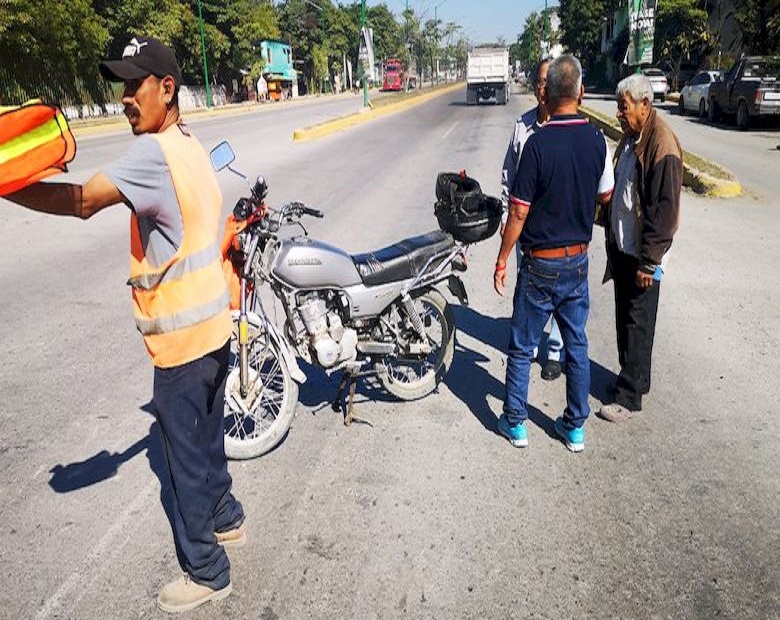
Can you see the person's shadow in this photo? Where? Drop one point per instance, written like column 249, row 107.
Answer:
column 105, row 465
column 472, row 383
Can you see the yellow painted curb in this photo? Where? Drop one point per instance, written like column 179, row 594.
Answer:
column 725, row 186
column 344, row 122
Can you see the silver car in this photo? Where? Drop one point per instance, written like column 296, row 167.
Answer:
column 694, row 96
column 658, row 81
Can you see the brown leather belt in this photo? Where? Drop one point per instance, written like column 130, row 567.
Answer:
column 569, row 250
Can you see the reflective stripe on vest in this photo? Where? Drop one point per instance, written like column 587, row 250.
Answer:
column 35, row 142
column 181, row 307
column 185, row 318
column 176, row 270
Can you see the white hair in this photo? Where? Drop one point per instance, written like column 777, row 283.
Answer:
column 637, row 86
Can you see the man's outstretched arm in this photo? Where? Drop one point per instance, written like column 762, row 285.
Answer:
column 81, row 201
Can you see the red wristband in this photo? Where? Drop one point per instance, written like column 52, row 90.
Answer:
column 500, row 268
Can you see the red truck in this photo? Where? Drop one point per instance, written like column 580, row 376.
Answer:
column 395, row 75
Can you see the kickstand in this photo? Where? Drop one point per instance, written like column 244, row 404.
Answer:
column 349, row 411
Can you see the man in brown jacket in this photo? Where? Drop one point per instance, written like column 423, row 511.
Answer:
column 640, row 223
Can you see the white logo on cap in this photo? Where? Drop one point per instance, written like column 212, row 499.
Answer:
column 133, row 48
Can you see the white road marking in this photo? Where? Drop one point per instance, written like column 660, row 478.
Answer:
column 449, row 131
column 94, row 563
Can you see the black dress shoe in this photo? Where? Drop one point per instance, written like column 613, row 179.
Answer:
column 551, row 370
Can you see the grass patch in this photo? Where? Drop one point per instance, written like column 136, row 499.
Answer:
column 390, row 98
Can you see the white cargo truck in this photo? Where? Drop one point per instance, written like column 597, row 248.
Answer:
column 487, row 75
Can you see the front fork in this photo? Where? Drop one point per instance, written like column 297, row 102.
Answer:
column 243, row 343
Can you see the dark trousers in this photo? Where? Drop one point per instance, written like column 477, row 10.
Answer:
column 189, row 403
column 635, row 314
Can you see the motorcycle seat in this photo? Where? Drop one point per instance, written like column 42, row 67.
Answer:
column 402, row 260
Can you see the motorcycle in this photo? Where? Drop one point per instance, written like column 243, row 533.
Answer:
column 378, row 313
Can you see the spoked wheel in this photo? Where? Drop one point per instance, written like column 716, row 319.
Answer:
column 418, row 369
column 258, row 420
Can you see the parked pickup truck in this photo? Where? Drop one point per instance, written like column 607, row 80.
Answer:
column 750, row 89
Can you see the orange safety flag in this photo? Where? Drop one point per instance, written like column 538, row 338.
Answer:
column 35, row 142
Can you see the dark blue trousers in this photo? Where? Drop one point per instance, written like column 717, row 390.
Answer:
column 189, row 403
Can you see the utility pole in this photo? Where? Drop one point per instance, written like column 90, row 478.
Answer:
column 365, row 35
column 205, row 66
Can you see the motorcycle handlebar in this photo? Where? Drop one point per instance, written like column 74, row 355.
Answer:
column 302, row 209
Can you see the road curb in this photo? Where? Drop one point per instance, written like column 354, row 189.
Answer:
column 725, row 185
column 99, row 125
column 344, row 122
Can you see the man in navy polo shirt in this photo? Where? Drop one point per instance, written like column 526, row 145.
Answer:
column 564, row 170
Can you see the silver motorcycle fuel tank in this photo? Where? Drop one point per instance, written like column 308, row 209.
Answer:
column 307, row 263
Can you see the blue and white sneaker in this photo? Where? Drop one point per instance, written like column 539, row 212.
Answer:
column 574, row 438
column 514, row 433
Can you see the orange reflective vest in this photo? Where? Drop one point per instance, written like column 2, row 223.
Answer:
column 35, row 142
column 181, row 307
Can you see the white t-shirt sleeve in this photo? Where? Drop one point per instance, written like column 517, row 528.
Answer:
column 607, row 181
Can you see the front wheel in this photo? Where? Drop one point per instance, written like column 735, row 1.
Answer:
column 421, row 364
column 681, row 106
column 258, row 420
column 743, row 118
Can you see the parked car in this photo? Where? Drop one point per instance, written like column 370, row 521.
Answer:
column 695, row 94
column 750, row 89
column 658, row 81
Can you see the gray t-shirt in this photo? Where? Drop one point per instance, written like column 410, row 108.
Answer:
column 143, row 178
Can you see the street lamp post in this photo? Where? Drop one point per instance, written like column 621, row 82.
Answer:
column 203, row 48
column 365, row 74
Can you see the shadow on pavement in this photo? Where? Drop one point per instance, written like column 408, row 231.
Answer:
column 472, row 383
column 105, row 465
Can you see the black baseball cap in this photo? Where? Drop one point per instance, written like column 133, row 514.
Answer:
column 142, row 57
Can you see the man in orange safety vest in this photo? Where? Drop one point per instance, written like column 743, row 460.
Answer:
column 180, row 303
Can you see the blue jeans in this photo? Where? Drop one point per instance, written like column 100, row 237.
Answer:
column 544, row 287
column 189, row 401
column 554, row 340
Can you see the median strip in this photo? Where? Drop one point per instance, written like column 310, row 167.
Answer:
column 701, row 175
column 344, row 122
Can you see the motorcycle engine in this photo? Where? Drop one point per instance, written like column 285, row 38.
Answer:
column 330, row 340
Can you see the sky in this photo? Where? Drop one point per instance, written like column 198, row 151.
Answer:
column 483, row 21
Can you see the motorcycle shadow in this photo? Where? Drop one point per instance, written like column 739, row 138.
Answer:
column 320, row 390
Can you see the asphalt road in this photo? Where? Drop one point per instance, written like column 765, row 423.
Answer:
column 751, row 155
column 427, row 513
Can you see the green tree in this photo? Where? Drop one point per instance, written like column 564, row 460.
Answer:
column 51, row 49
column 680, row 35
column 581, row 27
column 530, row 41
column 759, row 21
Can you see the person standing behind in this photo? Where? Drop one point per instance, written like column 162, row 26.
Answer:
column 640, row 223
column 180, row 303
column 525, row 126
column 564, row 169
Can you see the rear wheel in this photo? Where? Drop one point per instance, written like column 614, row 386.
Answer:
column 743, row 118
column 702, row 108
column 255, row 423
column 714, row 113
column 417, row 370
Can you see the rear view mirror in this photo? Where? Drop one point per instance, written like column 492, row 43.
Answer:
column 222, row 156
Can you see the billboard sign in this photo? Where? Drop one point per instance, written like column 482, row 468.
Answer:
column 641, row 28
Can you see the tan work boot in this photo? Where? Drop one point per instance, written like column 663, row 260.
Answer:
column 232, row 538
column 184, row 594
column 615, row 413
